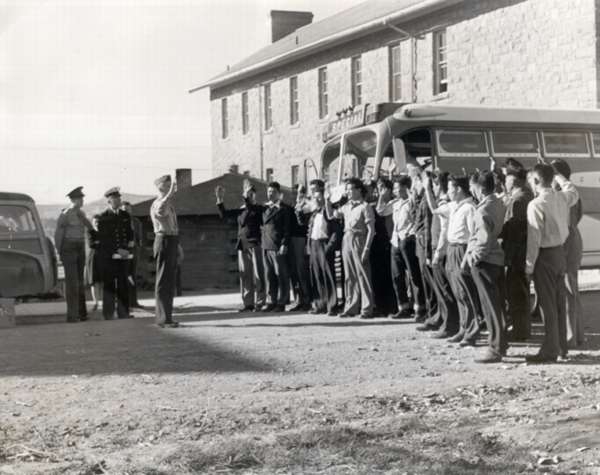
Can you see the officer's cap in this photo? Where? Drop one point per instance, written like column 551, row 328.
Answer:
column 114, row 191
column 76, row 193
column 161, row 180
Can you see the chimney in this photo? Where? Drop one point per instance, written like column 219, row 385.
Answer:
column 183, row 177
column 285, row 22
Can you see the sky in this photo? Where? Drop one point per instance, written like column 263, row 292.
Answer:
column 95, row 93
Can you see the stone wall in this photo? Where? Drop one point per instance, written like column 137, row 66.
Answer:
column 538, row 53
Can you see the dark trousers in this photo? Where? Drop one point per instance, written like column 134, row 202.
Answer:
column 381, row 277
column 549, row 280
column 165, row 254
column 399, row 280
column 322, row 273
column 429, row 297
column 489, row 280
column 447, row 306
column 133, row 298
column 115, row 286
column 277, row 277
column 252, row 276
column 408, row 247
column 73, row 259
column 517, row 297
column 298, row 265
column 465, row 292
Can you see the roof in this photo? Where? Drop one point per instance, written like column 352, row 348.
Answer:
column 8, row 196
column 360, row 20
column 199, row 200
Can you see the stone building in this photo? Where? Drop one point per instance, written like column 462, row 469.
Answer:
column 269, row 111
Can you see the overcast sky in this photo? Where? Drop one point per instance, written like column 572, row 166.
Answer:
column 94, row 93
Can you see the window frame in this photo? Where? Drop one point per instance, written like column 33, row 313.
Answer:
column 585, row 134
column 443, row 154
column 440, row 62
column 294, row 101
column 224, row 118
column 267, row 107
column 492, row 148
column 245, row 113
column 395, row 75
column 322, row 91
column 356, row 80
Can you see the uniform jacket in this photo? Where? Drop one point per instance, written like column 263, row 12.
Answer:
column 249, row 221
column 514, row 232
column 276, row 226
column 114, row 231
column 71, row 225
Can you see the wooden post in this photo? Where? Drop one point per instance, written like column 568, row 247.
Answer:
column 7, row 313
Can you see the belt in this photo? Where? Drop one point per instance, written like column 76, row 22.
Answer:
column 456, row 244
column 166, row 234
column 550, row 248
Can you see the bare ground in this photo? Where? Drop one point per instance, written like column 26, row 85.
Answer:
column 287, row 394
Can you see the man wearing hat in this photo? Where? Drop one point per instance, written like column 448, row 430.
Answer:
column 115, row 247
column 166, row 249
column 69, row 240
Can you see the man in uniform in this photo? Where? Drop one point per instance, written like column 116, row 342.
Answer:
column 116, row 244
column 138, row 242
column 69, row 240
column 166, row 249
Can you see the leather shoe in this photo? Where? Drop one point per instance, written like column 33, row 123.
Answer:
column 299, row 308
column 463, row 343
column 332, row 313
column 401, row 314
column 268, row 308
column 489, row 357
column 247, row 308
column 426, row 327
column 366, row 316
column 279, row 308
column 315, row 311
column 172, row 324
column 346, row 315
column 441, row 335
column 539, row 359
column 456, row 338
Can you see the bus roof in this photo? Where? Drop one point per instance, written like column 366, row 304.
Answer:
column 8, row 196
column 444, row 114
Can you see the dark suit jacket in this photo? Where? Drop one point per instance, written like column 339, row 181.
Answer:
column 276, row 227
column 334, row 232
column 114, row 232
column 249, row 220
column 514, row 231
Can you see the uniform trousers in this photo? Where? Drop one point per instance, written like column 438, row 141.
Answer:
column 549, row 280
column 116, row 286
column 447, row 306
column 465, row 292
column 489, row 280
column 358, row 289
column 133, row 298
column 322, row 273
column 252, row 276
column 575, row 325
column 73, row 258
column 165, row 253
column 408, row 249
column 518, row 300
column 298, row 265
column 277, row 277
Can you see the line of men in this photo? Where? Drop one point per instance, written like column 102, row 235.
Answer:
column 459, row 253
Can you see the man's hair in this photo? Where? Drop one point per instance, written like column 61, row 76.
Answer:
column 545, row 173
column 385, row 183
column 474, row 177
column 461, row 182
column 355, row 182
column 561, row 167
column 275, row 185
column 320, row 184
column 486, row 181
column 126, row 203
column 441, row 179
column 513, row 163
column 404, row 181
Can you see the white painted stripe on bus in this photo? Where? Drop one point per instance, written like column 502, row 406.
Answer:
column 587, row 179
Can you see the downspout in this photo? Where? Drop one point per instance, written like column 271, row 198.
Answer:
column 260, row 131
column 413, row 57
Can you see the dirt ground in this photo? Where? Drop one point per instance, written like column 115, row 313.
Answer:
column 292, row 393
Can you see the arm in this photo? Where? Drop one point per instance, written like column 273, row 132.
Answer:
column 567, row 189
column 470, row 220
column 481, row 237
column 59, row 234
column 287, row 228
column 370, row 223
column 535, row 223
column 384, row 209
column 431, row 201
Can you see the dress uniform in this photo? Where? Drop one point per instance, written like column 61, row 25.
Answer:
column 116, row 243
column 70, row 243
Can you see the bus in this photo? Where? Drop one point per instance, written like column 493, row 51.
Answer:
column 28, row 263
column 380, row 140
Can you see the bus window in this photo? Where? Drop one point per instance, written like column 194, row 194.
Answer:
column 569, row 144
column 465, row 143
column 596, row 143
column 514, row 143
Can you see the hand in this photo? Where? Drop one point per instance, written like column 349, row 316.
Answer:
column 365, row 255
column 436, row 260
column 464, row 266
column 327, row 192
column 124, row 253
column 173, row 187
column 428, row 262
column 220, row 193
column 283, row 250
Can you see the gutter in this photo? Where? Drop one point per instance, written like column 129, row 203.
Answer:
column 419, row 9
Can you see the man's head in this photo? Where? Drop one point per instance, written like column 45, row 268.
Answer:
column 542, row 176
column 126, row 206
column 354, row 189
column 485, row 184
column 384, row 187
column 402, row 186
column 315, row 186
column 113, row 196
column 458, row 188
column 163, row 184
column 274, row 191
column 515, row 178
column 76, row 197
column 440, row 183
column 562, row 168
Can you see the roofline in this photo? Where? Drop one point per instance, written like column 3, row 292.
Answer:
column 419, row 9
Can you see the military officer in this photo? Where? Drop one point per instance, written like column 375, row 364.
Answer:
column 115, row 234
column 70, row 244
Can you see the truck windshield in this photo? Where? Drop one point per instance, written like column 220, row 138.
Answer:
column 16, row 219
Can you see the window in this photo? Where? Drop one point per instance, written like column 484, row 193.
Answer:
column 440, row 64
column 515, row 143
column 267, row 106
column 224, row 119
column 245, row 116
column 323, row 98
column 466, row 143
column 356, row 80
column 294, row 100
column 16, row 219
column 269, row 173
column 295, row 174
column 571, row 144
column 395, row 76
column 596, row 141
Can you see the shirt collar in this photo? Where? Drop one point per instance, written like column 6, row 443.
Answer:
column 487, row 199
column 464, row 201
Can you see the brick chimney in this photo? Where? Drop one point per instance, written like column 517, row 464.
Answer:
column 284, row 22
column 183, row 177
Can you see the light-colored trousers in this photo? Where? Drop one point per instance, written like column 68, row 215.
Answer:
column 575, row 326
column 252, row 276
column 359, row 292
